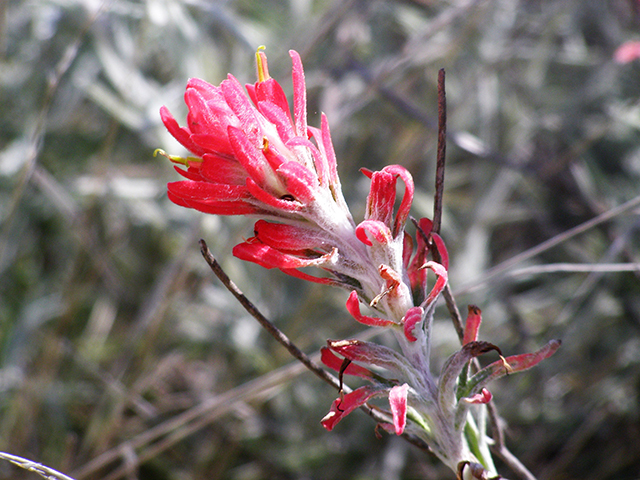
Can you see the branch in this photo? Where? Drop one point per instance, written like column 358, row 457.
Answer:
column 274, row 331
column 501, row 268
column 513, row 462
column 442, row 152
column 438, row 200
column 42, row 470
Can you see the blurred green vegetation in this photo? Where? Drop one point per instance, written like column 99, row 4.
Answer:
column 121, row 356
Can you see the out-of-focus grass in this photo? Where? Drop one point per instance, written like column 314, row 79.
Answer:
column 122, row 357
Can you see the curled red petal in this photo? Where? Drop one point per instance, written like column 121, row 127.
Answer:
column 212, row 198
column 381, row 198
column 378, row 231
column 407, row 198
column 398, row 403
column 208, row 91
column 181, row 134
column 269, row 257
column 442, row 250
column 222, row 170
column 200, row 117
column 353, row 307
column 299, row 94
column 287, row 237
column 342, row 407
column 334, row 362
column 271, row 91
column 413, row 316
column 484, row 396
column 214, row 140
column 472, row 325
column 441, row 281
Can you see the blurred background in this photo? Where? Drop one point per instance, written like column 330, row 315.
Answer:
column 122, row 356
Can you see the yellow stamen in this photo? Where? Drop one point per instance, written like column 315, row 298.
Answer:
column 263, row 74
column 176, row 158
column 507, row 367
column 373, row 303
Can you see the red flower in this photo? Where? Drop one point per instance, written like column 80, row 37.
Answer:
column 252, row 157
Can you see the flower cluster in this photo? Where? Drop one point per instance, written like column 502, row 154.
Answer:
column 251, row 156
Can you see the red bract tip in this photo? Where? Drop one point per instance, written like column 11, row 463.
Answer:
column 407, row 198
column 353, row 307
column 332, row 361
column 472, row 325
column 299, row 94
column 366, row 172
column 413, row 316
column 342, row 407
column 398, row 403
column 441, row 281
column 483, row 397
column 378, row 231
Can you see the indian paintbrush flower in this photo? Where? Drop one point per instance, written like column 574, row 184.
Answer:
column 252, row 156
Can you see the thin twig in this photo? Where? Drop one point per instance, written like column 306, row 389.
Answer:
column 576, row 268
column 513, row 462
column 160, row 437
column 42, row 470
column 442, row 152
column 456, row 318
column 494, row 420
column 274, row 331
column 501, row 268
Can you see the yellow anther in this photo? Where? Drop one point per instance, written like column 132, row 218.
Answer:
column 507, row 367
column 176, row 158
column 263, row 72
